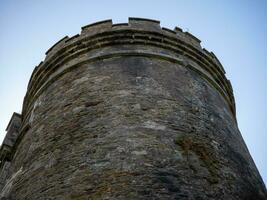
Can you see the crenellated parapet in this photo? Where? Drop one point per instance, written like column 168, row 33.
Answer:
column 101, row 36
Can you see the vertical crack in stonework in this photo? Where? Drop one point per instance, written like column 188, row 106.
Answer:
column 128, row 111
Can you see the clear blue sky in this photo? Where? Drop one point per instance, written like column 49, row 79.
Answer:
column 236, row 31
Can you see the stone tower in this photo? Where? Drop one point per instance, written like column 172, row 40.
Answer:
column 128, row 111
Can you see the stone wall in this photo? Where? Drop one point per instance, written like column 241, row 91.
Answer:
column 130, row 111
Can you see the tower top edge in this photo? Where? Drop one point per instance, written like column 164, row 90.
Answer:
column 135, row 31
column 134, row 23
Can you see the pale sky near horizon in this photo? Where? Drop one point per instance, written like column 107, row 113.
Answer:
column 236, row 31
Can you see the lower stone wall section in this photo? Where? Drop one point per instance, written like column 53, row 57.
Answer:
column 132, row 128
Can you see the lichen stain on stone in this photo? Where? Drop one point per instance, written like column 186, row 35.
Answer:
column 123, row 93
column 153, row 125
column 80, row 80
column 99, row 79
column 138, row 153
column 204, row 151
column 77, row 109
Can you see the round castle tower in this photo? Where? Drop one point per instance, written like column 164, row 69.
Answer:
column 128, row 111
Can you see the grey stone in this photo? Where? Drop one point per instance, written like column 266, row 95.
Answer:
column 128, row 111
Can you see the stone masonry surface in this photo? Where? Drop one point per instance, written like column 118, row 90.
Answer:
column 128, row 111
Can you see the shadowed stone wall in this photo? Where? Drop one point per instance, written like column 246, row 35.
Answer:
column 129, row 111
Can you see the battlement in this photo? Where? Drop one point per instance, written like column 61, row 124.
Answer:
column 56, row 46
column 133, row 23
column 137, row 31
column 97, row 27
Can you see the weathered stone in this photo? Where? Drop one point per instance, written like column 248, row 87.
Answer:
column 129, row 112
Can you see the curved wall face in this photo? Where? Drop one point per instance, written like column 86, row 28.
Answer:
column 136, row 119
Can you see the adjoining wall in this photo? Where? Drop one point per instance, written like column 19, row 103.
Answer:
column 6, row 150
column 130, row 111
